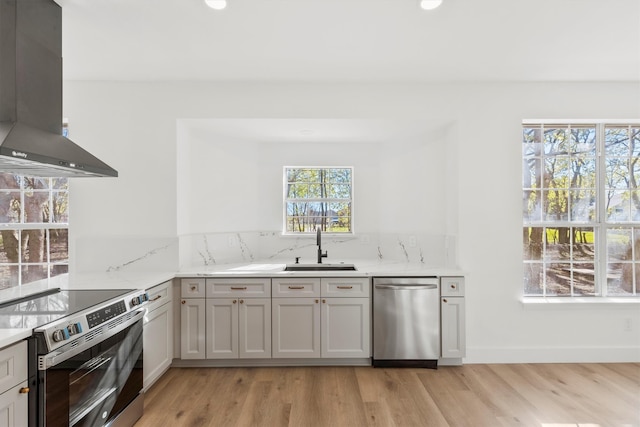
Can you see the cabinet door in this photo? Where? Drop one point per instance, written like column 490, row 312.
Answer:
column 158, row 343
column 255, row 328
column 345, row 327
column 13, row 365
column 222, row 328
column 14, row 406
column 192, row 328
column 453, row 327
column 296, row 327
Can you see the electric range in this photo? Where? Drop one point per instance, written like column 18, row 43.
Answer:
column 85, row 355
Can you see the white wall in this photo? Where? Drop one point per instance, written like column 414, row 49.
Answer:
column 133, row 127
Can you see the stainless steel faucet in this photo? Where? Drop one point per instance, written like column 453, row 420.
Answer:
column 319, row 243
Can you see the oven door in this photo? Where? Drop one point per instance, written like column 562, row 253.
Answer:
column 92, row 387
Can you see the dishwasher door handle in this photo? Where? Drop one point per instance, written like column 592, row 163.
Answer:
column 407, row 287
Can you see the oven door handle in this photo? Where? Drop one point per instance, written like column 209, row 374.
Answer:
column 83, row 343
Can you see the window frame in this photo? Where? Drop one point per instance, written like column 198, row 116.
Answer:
column 286, row 200
column 601, row 224
column 22, row 225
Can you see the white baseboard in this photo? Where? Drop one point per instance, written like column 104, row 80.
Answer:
column 553, row 355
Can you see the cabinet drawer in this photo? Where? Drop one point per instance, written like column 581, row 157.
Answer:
column 345, row 287
column 296, row 287
column 248, row 288
column 192, row 288
column 160, row 295
column 452, row 286
column 13, row 365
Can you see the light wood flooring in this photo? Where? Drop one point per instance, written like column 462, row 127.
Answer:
column 548, row 395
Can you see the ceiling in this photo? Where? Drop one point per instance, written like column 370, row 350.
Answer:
column 311, row 130
column 352, row 40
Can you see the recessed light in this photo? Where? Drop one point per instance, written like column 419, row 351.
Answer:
column 216, row 4
column 430, row 4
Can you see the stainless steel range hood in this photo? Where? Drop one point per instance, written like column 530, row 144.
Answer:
column 31, row 141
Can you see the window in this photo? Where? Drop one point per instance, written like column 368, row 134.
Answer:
column 33, row 229
column 318, row 198
column 581, row 209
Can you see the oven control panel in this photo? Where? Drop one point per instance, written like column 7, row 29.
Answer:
column 65, row 330
column 105, row 314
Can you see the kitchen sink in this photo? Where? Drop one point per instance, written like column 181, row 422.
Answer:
column 320, row 267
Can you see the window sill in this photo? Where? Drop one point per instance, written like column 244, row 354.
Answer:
column 577, row 302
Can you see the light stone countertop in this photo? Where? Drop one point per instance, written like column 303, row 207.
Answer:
column 365, row 268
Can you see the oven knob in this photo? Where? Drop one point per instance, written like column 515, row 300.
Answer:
column 74, row 328
column 60, row 335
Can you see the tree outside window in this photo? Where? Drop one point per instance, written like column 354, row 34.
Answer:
column 318, row 198
column 581, row 209
column 34, row 228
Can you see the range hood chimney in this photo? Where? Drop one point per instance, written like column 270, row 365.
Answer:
column 31, row 141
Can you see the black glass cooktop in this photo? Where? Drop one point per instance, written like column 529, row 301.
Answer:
column 38, row 310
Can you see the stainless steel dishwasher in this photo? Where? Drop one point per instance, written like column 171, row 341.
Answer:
column 406, row 321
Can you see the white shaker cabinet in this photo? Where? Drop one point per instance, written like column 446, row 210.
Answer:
column 158, row 333
column 346, row 317
column 296, row 327
column 238, row 318
column 321, row 318
column 192, row 319
column 296, row 317
column 345, row 328
column 452, row 312
column 14, row 388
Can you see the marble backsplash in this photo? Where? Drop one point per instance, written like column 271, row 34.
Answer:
column 206, row 250
column 210, row 249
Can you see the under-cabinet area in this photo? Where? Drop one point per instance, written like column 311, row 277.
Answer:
column 293, row 320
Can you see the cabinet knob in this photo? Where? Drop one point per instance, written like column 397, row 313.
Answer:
column 444, row 300
column 183, row 302
column 317, row 301
column 24, row 390
column 241, row 301
column 324, row 301
column 453, row 286
column 235, row 301
column 193, row 287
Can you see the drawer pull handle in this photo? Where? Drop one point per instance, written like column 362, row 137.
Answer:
column 345, row 287
column 240, row 288
column 156, row 298
column 296, row 287
column 24, row 390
